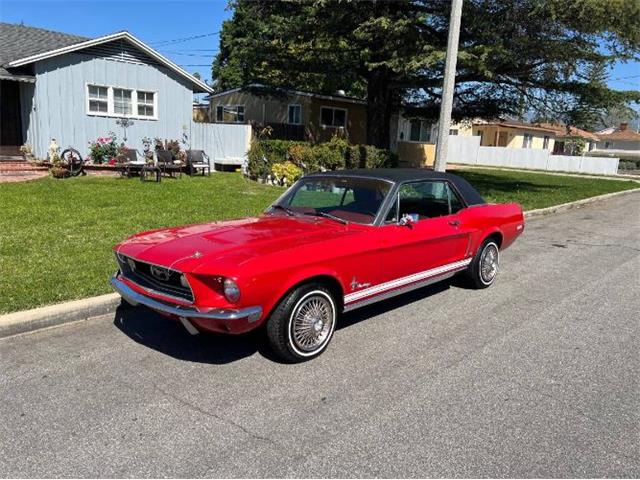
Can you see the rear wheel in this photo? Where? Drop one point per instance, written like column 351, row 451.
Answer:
column 483, row 270
column 302, row 325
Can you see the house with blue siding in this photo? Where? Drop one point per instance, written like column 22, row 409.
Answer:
column 75, row 89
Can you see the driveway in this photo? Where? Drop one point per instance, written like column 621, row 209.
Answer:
column 535, row 376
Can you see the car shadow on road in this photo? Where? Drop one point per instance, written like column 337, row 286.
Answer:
column 170, row 337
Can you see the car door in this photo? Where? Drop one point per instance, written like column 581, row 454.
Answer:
column 435, row 237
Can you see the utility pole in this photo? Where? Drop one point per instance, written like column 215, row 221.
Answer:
column 448, row 85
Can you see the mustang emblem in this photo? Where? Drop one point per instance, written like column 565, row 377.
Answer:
column 355, row 285
column 160, row 273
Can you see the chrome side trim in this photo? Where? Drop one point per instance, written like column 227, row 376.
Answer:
column 251, row 313
column 399, row 291
column 381, row 288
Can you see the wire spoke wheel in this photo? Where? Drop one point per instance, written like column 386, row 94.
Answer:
column 312, row 323
column 489, row 261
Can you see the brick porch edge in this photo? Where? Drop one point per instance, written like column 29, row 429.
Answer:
column 77, row 310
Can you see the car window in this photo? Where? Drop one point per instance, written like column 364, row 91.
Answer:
column 352, row 199
column 426, row 200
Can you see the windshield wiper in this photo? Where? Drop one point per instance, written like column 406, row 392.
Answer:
column 288, row 211
column 328, row 215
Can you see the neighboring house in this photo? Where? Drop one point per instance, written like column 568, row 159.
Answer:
column 620, row 139
column 200, row 112
column 514, row 134
column 74, row 89
column 292, row 114
column 565, row 134
column 414, row 139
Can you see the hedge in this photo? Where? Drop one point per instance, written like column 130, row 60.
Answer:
column 308, row 157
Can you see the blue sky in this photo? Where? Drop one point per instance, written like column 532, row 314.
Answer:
column 163, row 25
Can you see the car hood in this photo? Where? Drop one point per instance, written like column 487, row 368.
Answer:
column 189, row 247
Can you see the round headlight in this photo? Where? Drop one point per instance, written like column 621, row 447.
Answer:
column 231, row 290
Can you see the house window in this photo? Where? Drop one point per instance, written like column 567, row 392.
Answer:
column 545, row 142
column 607, row 145
column 98, row 99
column 453, row 131
column 480, row 133
column 146, row 105
column 419, row 131
column 294, row 116
column 122, row 101
column 230, row 113
column 333, row 117
column 527, row 140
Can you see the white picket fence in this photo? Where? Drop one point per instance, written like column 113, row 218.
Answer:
column 225, row 144
column 467, row 150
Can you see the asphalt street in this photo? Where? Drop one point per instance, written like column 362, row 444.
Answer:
column 536, row 376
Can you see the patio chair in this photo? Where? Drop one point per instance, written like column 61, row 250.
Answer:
column 165, row 162
column 122, row 162
column 133, row 165
column 198, row 160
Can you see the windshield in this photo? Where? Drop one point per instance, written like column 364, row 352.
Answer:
column 349, row 199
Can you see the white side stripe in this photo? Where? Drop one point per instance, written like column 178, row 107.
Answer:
column 399, row 282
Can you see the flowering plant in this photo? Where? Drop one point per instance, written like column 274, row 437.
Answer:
column 103, row 149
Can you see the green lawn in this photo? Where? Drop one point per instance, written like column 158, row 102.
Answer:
column 56, row 235
column 538, row 190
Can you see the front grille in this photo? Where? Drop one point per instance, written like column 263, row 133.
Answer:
column 154, row 278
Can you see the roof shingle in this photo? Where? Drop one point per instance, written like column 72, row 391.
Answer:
column 20, row 41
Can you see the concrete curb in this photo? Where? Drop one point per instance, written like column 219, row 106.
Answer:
column 578, row 203
column 52, row 315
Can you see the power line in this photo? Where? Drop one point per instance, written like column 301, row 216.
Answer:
column 189, row 54
column 184, row 39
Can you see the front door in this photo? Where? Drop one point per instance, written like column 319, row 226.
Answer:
column 433, row 243
column 503, row 139
column 10, row 118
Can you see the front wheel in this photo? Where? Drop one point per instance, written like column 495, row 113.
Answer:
column 483, row 269
column 302, row 325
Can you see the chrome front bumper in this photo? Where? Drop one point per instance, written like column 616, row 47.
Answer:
column 252, row 314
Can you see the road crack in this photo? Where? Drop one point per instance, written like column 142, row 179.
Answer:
column 220, row 418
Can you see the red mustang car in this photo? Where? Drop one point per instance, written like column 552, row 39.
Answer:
column 331, row 243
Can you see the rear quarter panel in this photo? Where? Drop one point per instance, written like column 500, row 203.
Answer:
column 506, row 219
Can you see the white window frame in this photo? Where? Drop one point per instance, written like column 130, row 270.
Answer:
column 527, row 140
column 229, row 106
column 346, row 118
column 299, row 113
column 154, row 105
column 88, row 99
column 111, row 103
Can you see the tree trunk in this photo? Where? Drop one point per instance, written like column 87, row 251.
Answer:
column 380, row 106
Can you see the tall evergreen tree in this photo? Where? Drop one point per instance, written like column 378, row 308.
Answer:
column 542, row 55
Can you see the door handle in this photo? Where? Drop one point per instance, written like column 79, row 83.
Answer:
column 454, row 223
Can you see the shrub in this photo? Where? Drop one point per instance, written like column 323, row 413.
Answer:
column 286, row 173
column 308, row 157
column 103, row 149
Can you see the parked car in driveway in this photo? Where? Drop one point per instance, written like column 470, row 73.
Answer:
column 331, row 243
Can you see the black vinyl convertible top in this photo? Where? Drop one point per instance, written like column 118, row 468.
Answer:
column 402, row 175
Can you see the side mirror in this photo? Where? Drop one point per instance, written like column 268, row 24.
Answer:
column 408, row 219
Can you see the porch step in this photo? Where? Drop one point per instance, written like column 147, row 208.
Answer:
column 12, row 158
column 21, row 166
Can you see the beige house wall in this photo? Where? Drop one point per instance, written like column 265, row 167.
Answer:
column 514, row 137
column 274, row 109
column 416, row 154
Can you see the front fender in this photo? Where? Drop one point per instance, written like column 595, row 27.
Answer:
column 288, row 280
